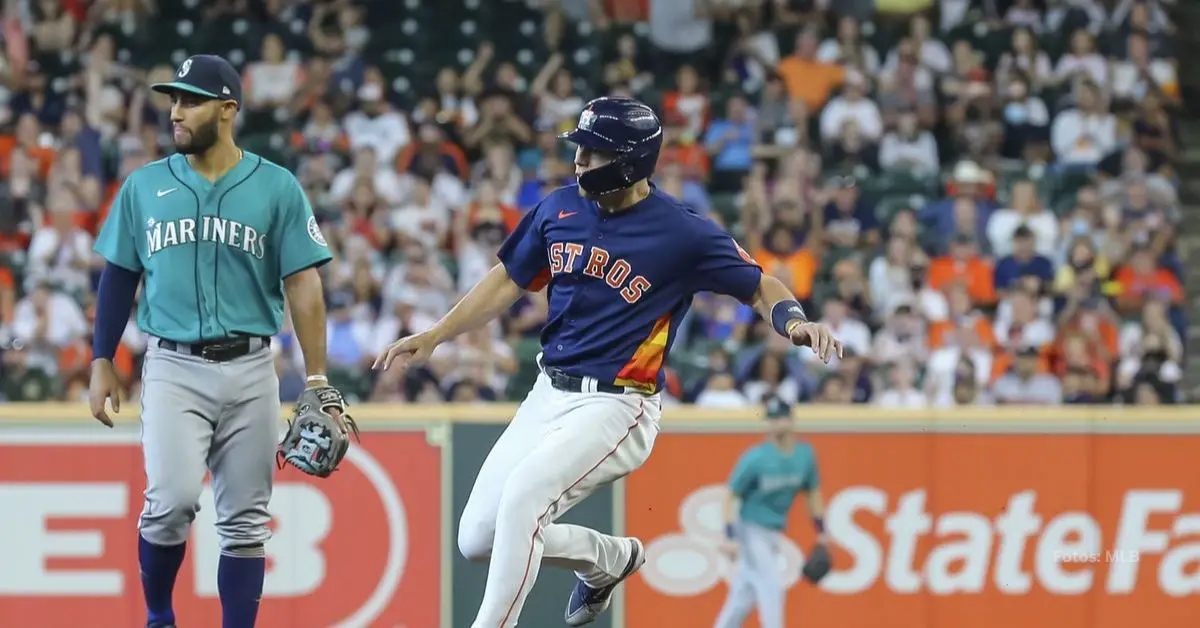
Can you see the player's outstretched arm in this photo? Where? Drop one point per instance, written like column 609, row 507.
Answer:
column 493, row 295
column 775, row 303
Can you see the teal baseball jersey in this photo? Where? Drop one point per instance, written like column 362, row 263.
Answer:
column 767, row 479
column 213, row 254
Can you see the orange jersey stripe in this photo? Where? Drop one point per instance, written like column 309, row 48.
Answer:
column 642, row 369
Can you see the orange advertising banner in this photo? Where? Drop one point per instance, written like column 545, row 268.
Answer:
column 940, row 530
column 357, row 549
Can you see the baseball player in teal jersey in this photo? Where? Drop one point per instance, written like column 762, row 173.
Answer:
column 216, row 236
column 766, row 481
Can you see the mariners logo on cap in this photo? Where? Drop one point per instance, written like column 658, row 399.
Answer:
column 185, row 68
column 587, row 119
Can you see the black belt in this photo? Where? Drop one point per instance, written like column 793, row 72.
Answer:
column 571, row 383
column 220, row 350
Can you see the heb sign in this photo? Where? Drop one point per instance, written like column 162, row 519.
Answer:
column 353, row 550
column 941, row 531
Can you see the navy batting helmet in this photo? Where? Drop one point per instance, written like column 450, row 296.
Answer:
column 622, row 126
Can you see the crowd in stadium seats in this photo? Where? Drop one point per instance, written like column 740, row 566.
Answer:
column 977, row 195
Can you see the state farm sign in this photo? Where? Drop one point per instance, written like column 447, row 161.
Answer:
column 967, row 552
column 340, row 555
column 942, row 531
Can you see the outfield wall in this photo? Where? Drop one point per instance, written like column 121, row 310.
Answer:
column 1074, row 518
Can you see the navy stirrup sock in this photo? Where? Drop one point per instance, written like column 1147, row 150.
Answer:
column 240, row 576
column 159, row 565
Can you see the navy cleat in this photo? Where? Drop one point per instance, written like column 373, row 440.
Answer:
column 587, row 603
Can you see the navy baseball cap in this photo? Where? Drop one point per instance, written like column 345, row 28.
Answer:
column 777, row 408
column 209, row 76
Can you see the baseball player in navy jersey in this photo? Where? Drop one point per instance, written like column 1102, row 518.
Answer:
column 620, row 260
column 216, row 236
column 764, row 485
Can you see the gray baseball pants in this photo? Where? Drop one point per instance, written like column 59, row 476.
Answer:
column 200, row 416
column 756, row 582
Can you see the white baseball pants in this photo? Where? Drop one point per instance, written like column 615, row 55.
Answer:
column 558, row 449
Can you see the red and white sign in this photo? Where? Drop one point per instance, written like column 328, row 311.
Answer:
column 361, row 548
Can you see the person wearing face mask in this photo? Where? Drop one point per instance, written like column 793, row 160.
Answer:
column 1026, row 120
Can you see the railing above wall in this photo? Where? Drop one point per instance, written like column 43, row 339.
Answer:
column 823, row 417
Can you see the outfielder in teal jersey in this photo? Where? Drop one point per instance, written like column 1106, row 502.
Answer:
column 217, row 237
column 762, row 489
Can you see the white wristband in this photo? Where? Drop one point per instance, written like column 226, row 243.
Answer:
column 317, row 378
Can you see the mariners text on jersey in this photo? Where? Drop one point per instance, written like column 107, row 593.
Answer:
column 620, row 283
column 165, row 234
column 213, row 253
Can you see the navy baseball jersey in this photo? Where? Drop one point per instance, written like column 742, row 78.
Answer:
column 620, row 283
column 214, row 254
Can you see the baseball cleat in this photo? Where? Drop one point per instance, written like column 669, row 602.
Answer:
column 587, row 603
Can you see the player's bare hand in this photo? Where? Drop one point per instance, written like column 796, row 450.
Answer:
column 408, row 351
column 104, row 387
column 819, row 337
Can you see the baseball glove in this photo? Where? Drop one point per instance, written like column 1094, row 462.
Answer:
column 818, row 564
column 315, row 443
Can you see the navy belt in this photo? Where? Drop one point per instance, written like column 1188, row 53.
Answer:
column 571, row 383
column 220, row 350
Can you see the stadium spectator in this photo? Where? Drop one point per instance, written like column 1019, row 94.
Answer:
column 852, row 107
column 753, row 54
column 1023, row 326
column 901, row 390
column 909, row 148
column 890, row 277
column 681, row 31
column 1024, row 384
column 1084, row 135
column 1026, row 122
column 808, row 79
column 909, row 86
column 848, row 49
column 1026, row 212
column 1024, row 57
column 554, row 91
column 729, row 142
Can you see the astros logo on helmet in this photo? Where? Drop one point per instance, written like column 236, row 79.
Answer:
column 625, row 127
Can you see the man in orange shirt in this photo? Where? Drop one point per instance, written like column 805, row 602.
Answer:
column 793, row 263
column 680, row 147
column 964, row 265
column 1142, row 278
column 806, row 78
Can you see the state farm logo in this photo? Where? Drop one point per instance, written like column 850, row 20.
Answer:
column 904, row 548
column 344, row 538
